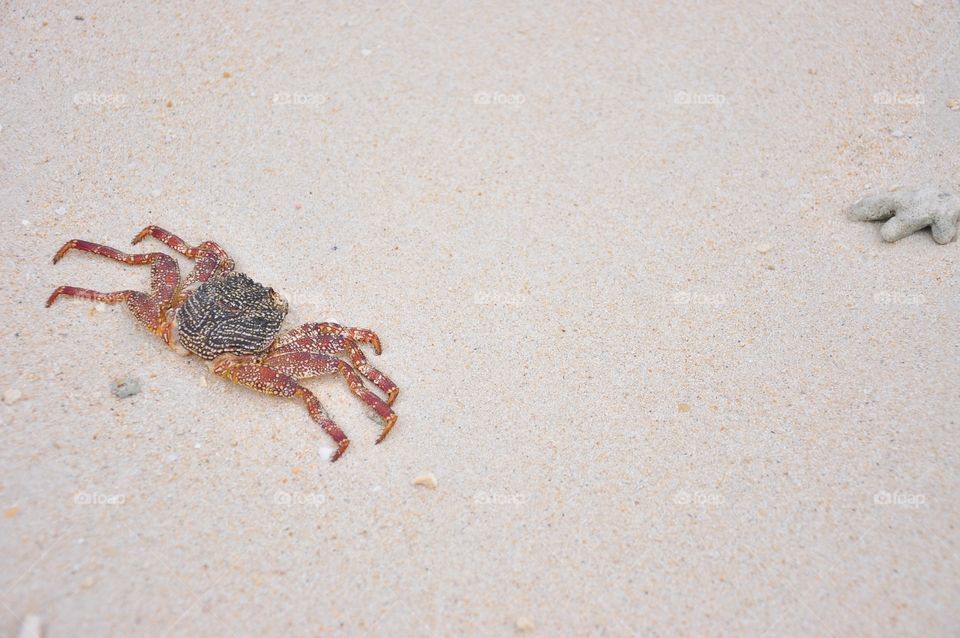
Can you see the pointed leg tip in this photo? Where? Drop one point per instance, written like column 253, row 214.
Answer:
column 63, row 250
column 344, row 444
column 392, row 395
column 389, row 422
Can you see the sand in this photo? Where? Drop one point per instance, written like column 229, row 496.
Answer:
column 664, row 385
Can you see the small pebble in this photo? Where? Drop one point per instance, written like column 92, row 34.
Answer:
column 365, row 52
column 683, row 407
column 10, row 512
column 524, row 624
column 917, row 3
column 88, row 583
column 896, row 133
column 11, row 396
column 61, row 210
column 894, row 187
column 426, row 480
column 953, row 104
column 126, row 387
column 155, row 192
column 763, row 249
column 326, row 452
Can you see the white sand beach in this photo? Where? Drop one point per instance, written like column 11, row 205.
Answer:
column 665, row 386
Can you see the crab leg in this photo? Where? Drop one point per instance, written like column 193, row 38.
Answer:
column 316, row 329
column 148, row 309
column 143, row 306
column 269, row 381
column 164, row 274
column 210, row 257
column 334, row 345
column 303, row 365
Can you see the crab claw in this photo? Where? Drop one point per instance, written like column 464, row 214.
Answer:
column 226, row 364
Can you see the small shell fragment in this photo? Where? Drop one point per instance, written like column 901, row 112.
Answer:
column 426, row 480
column 524, row 624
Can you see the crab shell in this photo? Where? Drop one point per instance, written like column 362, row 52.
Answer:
column 231, row 314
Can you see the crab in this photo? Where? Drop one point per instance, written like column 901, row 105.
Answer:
column 223, row 316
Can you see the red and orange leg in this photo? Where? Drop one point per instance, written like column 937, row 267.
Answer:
column 212, row 260
column 327, row 344
column 360, row 335
column 303, row 365
column 148, row 309
column 264, row 379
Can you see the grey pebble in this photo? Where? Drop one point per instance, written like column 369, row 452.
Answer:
column 126, row 387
